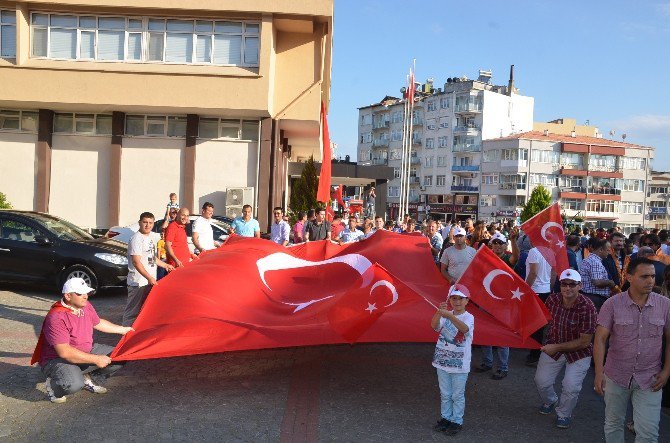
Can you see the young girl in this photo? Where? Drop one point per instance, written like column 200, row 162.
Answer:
column 453, row 352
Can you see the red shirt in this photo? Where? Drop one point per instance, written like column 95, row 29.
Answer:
column 567, row 324
column 176, row 234
column 65, row 327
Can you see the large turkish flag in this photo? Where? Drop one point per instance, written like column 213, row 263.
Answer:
column 545, row 231
column 253, row 294
column 500, row 291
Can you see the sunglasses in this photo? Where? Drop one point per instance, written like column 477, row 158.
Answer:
column 569, row 285
column 498, row 242
column 648, row 244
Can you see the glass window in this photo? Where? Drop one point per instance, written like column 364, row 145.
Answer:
column 7, row 34
column 134, row 125
column 227, row 50
column 229, row 27
column 134, row 23
column 135, row 46
column 17, row 231
column 40, row 19
column 29, row 121
column 63, row 123
column 112, row 23
column 252, row 28
column 156, row 24
column 250, row 130
column 64, row 21
column 156, row 46
column 204, row 26
column 251, row 50
column 180, row 25
column 203, row 49
column 230, row 131
column 110, row 45
column 208, row 128
column 103, row 124
column 176, row 127
column 39, row 42
column 10, row 120
column 63, row 43
column 87, row 45
column 156, row 125
column 178, row 48
column 84, row 123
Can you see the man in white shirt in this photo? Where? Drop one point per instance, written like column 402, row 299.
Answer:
column 203, row 235
column 142, row 262
column 456, row 258
column 540, row 277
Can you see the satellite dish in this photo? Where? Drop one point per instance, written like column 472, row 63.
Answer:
column 623, row 136
column 612, row 132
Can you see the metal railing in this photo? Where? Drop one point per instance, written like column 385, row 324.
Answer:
column 378, row 142
column 465, row 168
column 508, row 186
column 463, row 188
column 468, row 107
column 466, row 128
column 467, row 147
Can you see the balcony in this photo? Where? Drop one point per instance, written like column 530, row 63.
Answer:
column 415, row 180
column 463, row 188
column 468, row 107
column 605, row 168
column 465, row 168
column 417, row 122
column 381, row 125
column 604, row 190
column 380, row 161
column 416, row 142
column 380, row 142
column 465, row 147
column 512, row 186
column 467, row 129
column 415, row 160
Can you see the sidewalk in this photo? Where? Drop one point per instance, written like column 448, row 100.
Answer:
column 343, row 393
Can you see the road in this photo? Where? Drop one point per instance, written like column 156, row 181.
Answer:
column 368, row 392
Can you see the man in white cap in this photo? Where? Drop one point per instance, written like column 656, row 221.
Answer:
column 65, row 350
column 569, row 343
column 456, row 258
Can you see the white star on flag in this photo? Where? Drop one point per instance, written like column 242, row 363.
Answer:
column 560, row 244
column 371, row 307
column 517, row 294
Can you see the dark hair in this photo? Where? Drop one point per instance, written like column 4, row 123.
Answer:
column 596, row 243
column 634, row 236
column 632, row 266
column 301, row 215
column 207, row 205
column 310, row 213
column 618, row 234
column 278, row 208
column 572, row 240
column 147, row 215
column 653, row 238
column 663, row 236
column 246, row 206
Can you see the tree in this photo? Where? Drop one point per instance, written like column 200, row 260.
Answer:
column 303, row 192
column 4, row 204
column 539, row 200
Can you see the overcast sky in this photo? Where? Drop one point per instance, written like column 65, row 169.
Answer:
column 603, row 61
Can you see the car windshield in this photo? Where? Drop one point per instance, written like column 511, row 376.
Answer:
column 64, row 229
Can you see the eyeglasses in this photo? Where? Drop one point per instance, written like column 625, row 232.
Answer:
column 497, row 242
column 569, row 285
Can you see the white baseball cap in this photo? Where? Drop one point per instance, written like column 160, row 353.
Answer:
column 76, row 285
column 458, row 231
column 570, row 274
column 499, row 236
column 455, row 290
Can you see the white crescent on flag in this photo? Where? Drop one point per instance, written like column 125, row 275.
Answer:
column 489, row 279
column 392, row 288
column 547, row 225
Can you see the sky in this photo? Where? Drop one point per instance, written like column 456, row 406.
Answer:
column 605, row 61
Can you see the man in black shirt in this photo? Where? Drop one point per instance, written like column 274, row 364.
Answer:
column 319, row 229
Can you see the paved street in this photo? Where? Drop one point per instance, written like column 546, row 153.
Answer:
column 343, row 393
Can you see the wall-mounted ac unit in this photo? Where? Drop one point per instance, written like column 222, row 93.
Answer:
column 234, row 211
column 239, row 196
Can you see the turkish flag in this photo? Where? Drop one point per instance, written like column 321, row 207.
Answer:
column 253, row 294
column 498, row 290
column 357, row 310
column 323, row 191
column 545, row 231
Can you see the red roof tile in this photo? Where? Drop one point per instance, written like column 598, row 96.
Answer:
column 580, row 139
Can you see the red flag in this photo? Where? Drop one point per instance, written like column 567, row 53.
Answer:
column 357, row 310
column 330, row 215
column 323, row 192
column 337, row 195
column 254, row 294
column 497, row 289
column 545, row 231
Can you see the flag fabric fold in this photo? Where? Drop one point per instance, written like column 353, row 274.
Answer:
column 545, row 231
column 255, row 294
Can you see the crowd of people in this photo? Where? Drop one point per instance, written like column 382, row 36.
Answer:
column 610, row 310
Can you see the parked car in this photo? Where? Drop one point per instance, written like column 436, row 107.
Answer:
column 41, row 248
column 220, row 226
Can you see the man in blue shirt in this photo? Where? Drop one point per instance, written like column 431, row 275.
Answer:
column 246, row 226
column 280, row 230
column 350, row 234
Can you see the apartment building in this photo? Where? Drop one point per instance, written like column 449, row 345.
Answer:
column 108, row 106
column 597, row 181
column 449, row 125
column 658, row 200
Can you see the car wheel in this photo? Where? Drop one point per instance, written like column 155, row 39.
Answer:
column 83, row 272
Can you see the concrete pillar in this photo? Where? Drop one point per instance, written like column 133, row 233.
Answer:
column 118, row 128
column 264, row 190
column 189, row 200
column 43, row 147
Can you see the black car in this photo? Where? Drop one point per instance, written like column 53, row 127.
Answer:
column 41, row 248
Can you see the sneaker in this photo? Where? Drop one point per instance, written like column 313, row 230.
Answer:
column 454, row 429
column 483, row 368
column 442, row 425
column 51, row 395
column 499, row 375
column 547, row 408
column 563, row 422
column 92, row 387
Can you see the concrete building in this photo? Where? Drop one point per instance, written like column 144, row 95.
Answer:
column 450, row 124
column 597, row 181
column 107, row 106
column 658, row 200
column 565, row 126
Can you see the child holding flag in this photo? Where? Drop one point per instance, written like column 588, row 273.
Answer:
column 453, row 352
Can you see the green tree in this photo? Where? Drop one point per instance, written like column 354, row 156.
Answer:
column 303, row 192
column 539, row 200
column 4, row 204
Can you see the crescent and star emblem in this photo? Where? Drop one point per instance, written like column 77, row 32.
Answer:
column 516, row 294
column 543, row 232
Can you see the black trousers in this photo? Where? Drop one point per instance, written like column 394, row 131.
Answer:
column 538, row 335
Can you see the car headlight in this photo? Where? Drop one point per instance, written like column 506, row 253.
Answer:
column 113, row 258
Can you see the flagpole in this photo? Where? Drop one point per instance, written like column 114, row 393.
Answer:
column 403, row 170
column 408, row 149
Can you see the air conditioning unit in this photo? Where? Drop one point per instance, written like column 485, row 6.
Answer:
column 234, row 211
column 239, row 196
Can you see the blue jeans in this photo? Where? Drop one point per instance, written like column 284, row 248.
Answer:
column 452, row 395
column 646, row 411
column 501, row 357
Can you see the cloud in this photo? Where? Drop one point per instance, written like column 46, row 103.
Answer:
column 663, row 8
column 648, row 126
column 436, row 29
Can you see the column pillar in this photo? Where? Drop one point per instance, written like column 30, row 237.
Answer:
column 264, row 190
column 188, row 199
column 114, row 213
column 43, row 173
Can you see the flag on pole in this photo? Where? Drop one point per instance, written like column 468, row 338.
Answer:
column 323, row 192
column 545, row 231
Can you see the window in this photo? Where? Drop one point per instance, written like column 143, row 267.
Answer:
column 396, row 172
column 572, row 159
column 18, row 120
column 491, row 156
column 440, row 180
column 220, row 128
column 573, row 204
column 395, row 154
column 156, row 125
column 429, row 161
column 430, row 124
column 488, row 200
column 7, row 34
column 366, row 137
column 430, row 143
column 568, row 181
column 394, row 191
column 631, row 207
column 17, row 231
column 601, row 205
column 441, row 161
column 658, row 189
column 538, row 156
column 444, row 102
column 428, row 180
column 633, row 163
column 633, row 185
column 431, row 106
column 443, row 142
column 84, row 124
column 396, row 117
column 547, row 180
column 489, row 179
column 105, row 38
column 366, row 119
column 514, row 154
column 396, row 135
column 444, row 122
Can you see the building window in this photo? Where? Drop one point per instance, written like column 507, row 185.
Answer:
column 488, row 200
column 443, row 142
column 601, row 205
column 633, row 163
column 514, row 154
column 396, row 135
column 233, row 129
column 444, row 102
column 633, row 185
column 430, row 143
column 24, row 121
column 431, row 106
column 396, row 117
column 431, row 124
column 429, row 161
column 547, row 180
column 7, row 34
column 83, row 124
column 396, row 172
column 573, row 204
column 440, row 180
column 156, row 125
column 658, row 189
column 428, row 180
column 366, row 119
column 394, row 191
column 489, row 179
column 491, row 156
column 135, row 39
column 441, row 161
column 631, row 207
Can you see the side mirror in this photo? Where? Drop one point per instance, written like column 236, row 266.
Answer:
column 42, row 240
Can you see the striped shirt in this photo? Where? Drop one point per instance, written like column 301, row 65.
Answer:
column 635, row 338
column 590, row 269
column 567, row 324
